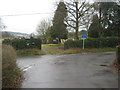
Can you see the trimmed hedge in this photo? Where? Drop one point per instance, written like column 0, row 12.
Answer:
column 118, row 54
column 93, row 43
column 23, row 43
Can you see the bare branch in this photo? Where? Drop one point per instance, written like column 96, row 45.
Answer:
column 70, row 19
column 81, row 5
column 70, row 25
column 72, row 14
column 70, row 4
column 79, row 15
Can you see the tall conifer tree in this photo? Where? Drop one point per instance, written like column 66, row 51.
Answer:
column 59, row 27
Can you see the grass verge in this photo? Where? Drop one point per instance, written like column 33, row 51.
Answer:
column 30, row 52
column 59, row 49
column 52, row 48
column 92, row 50
column 51, row 45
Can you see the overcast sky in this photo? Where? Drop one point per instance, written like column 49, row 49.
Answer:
column 25, row 23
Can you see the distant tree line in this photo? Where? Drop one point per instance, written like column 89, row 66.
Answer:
column 7, row 35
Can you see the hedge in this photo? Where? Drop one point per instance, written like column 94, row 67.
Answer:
column 10, row 71
column 93, row 43
column 23, row 43
column 118, row 54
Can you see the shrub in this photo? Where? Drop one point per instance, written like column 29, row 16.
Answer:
column 7, row 41
column 118, row 54
column 93, row 43
column 72, row 44
column 10, row 71
column 23, row 43
column 109, row 42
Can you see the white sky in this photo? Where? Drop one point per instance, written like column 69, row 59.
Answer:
column 25, row 23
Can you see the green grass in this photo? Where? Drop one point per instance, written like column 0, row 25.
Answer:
column 52, row 48
column 59, row 49
column 50, row 45
column 72, row 50
column 56, row 51
column 51, row 52
column 92, row 50
column 30, row 52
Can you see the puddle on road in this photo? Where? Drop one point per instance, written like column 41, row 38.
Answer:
column 103, row 72
column 103, row 65
column 60, row 62
column 106, row 53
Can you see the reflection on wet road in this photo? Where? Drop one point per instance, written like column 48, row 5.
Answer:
column 69, row 71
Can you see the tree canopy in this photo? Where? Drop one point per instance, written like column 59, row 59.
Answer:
column 95, row 28
column 79, row 15
column 109, row 15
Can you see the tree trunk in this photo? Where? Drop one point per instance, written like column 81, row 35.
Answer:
column 77, row 21
column 76, row 34
column 59, row 40
column 100, row 21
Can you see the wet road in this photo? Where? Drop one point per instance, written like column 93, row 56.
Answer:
column 69, row 71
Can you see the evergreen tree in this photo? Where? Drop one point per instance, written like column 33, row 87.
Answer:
column 109, row 15
column 59, row 27
column 114, row 20
column 95, row 29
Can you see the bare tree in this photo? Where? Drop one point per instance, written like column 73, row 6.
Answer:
column 2, row 26
column 42, row 27
column 79, row 15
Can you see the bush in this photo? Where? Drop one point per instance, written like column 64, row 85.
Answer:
column 118, row 54
column 109, row 42
column 23, row 43
column 72, row 44
column 93, row 43
column 10, row 71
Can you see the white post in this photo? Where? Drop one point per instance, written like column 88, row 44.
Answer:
column 83, row 44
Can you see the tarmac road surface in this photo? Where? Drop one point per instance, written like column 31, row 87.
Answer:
column 86, row 70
